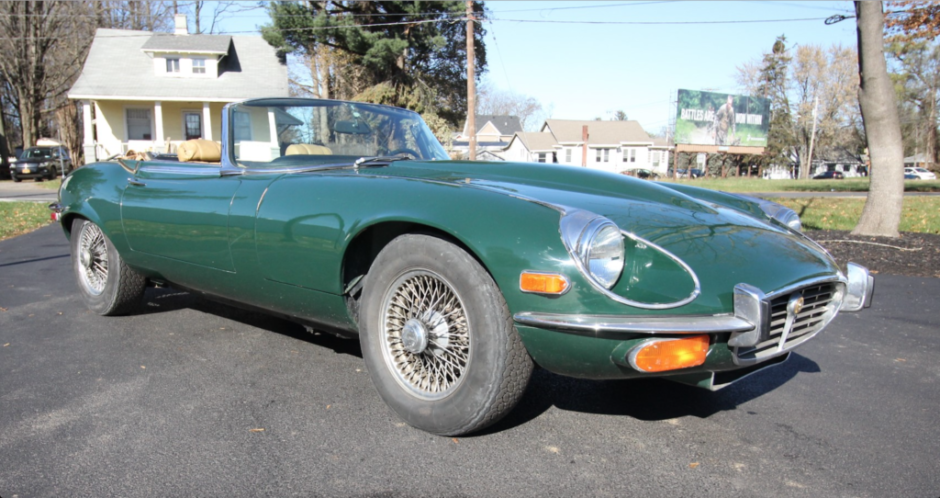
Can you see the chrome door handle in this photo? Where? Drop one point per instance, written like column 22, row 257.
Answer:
column 136, row 183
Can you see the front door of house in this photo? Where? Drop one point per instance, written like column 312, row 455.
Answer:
column 192, row 125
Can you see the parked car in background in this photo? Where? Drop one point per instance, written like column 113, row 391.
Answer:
column 920, row 173
column 41, row 163
column 829, row 175
column 457, row 277
column 911, row 176
column 644, row 174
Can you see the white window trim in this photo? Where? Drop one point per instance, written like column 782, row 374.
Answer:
column 205, row 69
column 126, row 129
column 202, row 126
column 179, row 64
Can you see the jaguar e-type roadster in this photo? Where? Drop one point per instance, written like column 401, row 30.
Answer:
column 457, row 277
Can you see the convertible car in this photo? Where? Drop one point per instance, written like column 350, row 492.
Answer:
column 456, row 277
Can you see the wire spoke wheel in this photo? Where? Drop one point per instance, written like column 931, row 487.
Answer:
column 93, row 259
column 426, row 334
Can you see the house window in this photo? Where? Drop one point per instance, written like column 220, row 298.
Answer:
column 603, row 155
column 172, row 65
column 541, row 157
column 242, row 126
column 606, row 155
column 568, row 155
column 656, row 157
column 632, row 155
column 199, row 66
column 139, row 124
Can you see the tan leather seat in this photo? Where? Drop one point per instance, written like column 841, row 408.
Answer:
column 199, row 150
column 307, row 150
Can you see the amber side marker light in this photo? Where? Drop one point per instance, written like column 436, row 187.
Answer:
column 660, row 355
column 543, row 283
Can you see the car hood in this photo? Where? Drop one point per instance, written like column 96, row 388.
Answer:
column 709, row 231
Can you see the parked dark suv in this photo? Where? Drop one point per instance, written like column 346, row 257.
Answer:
column 41, row 163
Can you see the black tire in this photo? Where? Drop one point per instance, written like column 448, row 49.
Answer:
column 15, row 179
column 487, row 367
column 107, row 285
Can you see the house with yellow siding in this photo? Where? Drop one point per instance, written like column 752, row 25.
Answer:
column 148, row 91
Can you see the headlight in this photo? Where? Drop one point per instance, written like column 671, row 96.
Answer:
column 597, row 243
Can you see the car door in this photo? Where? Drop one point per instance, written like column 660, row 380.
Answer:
column 179, row 213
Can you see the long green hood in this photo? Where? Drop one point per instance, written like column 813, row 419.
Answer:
column 718, row 235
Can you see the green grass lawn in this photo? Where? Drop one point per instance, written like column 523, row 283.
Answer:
column 17, row 218
column 920, row 214
column 743, row 185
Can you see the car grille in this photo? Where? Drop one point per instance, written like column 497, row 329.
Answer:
column 818, row 310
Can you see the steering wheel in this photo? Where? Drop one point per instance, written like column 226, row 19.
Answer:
column 403, row 150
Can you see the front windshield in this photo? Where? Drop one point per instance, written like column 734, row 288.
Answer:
column 38, row 153
column 296, row 132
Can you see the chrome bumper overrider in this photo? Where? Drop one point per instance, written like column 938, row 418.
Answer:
column 763, row 325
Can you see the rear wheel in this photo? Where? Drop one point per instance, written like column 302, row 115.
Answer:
column 15, row 179
column 107, row 285
column 438, row 339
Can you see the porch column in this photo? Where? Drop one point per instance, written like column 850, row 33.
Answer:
column 206, row 122
column 158, row 124
column 272, row 125
column 88, row 142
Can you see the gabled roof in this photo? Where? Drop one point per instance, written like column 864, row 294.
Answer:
column 117, row 68
column 536, row 141
column 201, row 44
column 507, row 125
column 599, row 132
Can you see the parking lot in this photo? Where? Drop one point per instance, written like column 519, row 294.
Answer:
column 194, row 398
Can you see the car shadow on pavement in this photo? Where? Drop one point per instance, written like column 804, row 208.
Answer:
column 645, row 399
column 166, row 299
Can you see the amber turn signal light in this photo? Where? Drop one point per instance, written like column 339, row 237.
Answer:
column 543, row 283
column 660, row 355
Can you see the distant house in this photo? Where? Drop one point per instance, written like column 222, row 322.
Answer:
column 614, row 146
column 151, row 91
column 493, row 134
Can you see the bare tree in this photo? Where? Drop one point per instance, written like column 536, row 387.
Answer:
column 492, row 100
column 882, row 213
column 41, row 54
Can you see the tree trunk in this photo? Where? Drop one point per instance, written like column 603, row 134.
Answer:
column 882, row 213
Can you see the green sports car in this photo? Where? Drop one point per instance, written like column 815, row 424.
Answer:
column 456, row 277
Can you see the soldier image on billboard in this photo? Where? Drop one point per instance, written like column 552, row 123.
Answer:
column 724, row 121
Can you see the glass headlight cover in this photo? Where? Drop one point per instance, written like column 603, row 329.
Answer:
column 600, row 248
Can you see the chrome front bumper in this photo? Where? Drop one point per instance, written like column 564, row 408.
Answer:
column 754, row 323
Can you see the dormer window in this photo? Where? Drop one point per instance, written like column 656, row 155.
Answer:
column 172, row 65
column 199, row 66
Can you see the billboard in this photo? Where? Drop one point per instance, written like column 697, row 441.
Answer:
column 708, row 118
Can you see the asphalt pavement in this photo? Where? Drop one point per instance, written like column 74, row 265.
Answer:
column 192, row 398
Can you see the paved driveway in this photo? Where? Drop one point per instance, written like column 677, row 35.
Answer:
column 26, row 190
column 172, row 402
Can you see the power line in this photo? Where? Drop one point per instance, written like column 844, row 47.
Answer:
column 746, row 21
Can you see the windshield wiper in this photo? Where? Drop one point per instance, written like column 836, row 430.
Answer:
column 380, row 160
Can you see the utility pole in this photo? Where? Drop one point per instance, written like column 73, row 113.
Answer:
column 471, row 84
column 812, row 140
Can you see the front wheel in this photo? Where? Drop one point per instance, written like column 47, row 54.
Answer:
column 438, row 339
column 107, row 285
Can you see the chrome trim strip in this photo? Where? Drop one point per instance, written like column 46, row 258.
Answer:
column 181, row 170
column 617, row 325
column 554, row 274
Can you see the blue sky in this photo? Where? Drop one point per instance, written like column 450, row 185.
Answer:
column 583, row 70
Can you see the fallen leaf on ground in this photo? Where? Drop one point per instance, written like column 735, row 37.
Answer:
column 693, row 465
column 899, row 359
column 328, row 406
column 455, row 441
column 256, row 430
column 7, row 344
column 3, row 309
column 143, row 367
